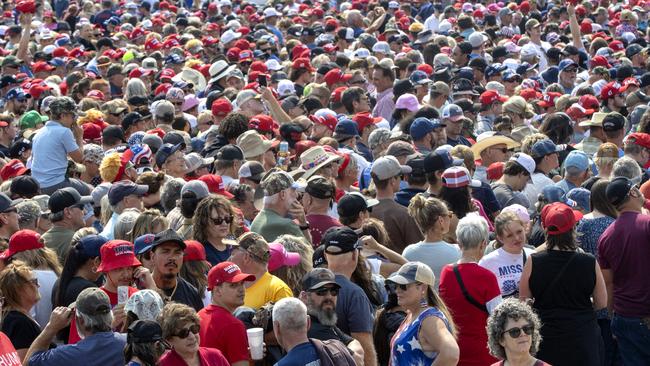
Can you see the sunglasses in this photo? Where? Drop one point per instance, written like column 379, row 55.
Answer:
column 516, row 332
column 502, row 149
column 221, row 220
column 334, row 291
column 402, row 287
column 186, row 332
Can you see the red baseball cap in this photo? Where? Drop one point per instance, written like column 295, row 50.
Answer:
column 60, row 52
column 364, row 119
column 245, row 55
column 259, row 66
column 21, row 241
column 631, row 81
column 166, row 74
column 162, row 88
column 300, row 51
column 611, row 89
column 326, row 120
column 227, row 272
column 558, row 218
column 336, row 76
column 495, row 170
column 221, row 107
column 617, row 46
column 576, row 112
column 194, row 251
column 12, row 169
column 37, row 89
column 491, row 96
column 92, row 131
column 281, row 258
column 215, row 185
column 428, row 69
column 548, row 99
column 589, row 101
column 302, row 63
column 599, row 61
column 336, row 94
column 262, row 123
column 96, row 94
column 42, row 66
column 639, row 138
column 117, row 254
column 139, row 72
column 530, row 94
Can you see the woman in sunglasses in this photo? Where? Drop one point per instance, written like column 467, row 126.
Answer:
column 180, row 327
column 427, row 334
column 513, row 334
column 213, row 224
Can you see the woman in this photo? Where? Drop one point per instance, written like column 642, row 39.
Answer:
column 195, row 269
column 19, row 287
column 155, row 182
column 151, row 221
column 604, row 159
column 456, row 192
column 507, row 261
column 427, row 333
column 26, row 246
column 376, row 248
column 144, row 343
column 124, row 224
column 180, row 325
column 293, row 275
column 213, row 224
column 563, row 281
column 513, row 334
column 387, row 321
column 470, row 291
column 433, row 218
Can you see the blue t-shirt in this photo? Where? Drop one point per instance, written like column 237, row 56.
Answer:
column 99, row 349
column 50, row 150
column 353, row 308
column 303, row 354
column 215, row 256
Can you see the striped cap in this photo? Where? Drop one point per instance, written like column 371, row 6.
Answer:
column 457, row 177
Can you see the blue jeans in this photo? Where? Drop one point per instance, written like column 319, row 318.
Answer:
column 633, row 337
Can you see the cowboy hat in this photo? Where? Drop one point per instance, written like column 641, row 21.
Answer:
column 193, row 77
column 491, row 138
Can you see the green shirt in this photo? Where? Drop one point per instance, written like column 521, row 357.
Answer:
column 58, row 239
column 271, row 225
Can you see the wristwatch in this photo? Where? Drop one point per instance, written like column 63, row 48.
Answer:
column 304, row 227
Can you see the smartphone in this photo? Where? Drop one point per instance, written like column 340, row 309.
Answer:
column 261, row 80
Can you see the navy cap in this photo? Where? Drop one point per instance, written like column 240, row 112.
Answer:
column 130, row 119
column 89, row 245
column 618, row 189
column 552, row 193
column 525, row 67
column 510, row 75
column 543, row 148
column 165, row 151
column 581, row 197
column 632, row 50
column 346, row 128
column 143, row 243
column 121, row 189
column 422, row 126
column 6, row 203
column 566, row 63
column 550, row 75
column 17, row 93
column 466, row 73
column 439, row 160
column 494, row 69
column 419, row 77
column 230, row 152
column 174, row 59
column 144, row 331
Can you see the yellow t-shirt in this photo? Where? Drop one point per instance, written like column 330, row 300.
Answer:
column 266, row 289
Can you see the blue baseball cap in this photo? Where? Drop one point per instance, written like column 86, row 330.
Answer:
column 57, row 61
column 494, row 69
column 143, row 243
column 17, row 93
column 345, row 129
column 577, row 159
column 543, row 148
column 422, row 126
column 173, row 59
column 566, row 63
column 439, row 160
column 91, row 244
column 466, row 73
column 509, row 74
column 581, row 197
column 550, row 75
column 419, row 77
column 553, row 193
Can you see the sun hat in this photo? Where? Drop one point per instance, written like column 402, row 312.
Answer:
column 117, row 254
column 491, row 138
column 313, row 159
column 252, row 144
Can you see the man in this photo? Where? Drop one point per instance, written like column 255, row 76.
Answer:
column 59, row 138
column 17, row 101
column 280, row 204
column 386, row 173
column 576, row 171
column 491, row 107
column 324, row 125
column 427, row 134
column 67, row 216
column 613, row 99
column 490, row 147
column 516, row 174
column 382, row 78
column 227, row 163
column 92, row 313
column 167, row 258
column 353, row 308
column 8, row 217
column 416, row 180
column 317, row 201
column 170, row 159
column 452, row 118
column 252, row 256
column 534, row 32
column 614, row 129
column 623, row 249
column 353, row 209
column 567, row 77
column 461, row 53
column 438, row 95
column 545, row 154
column 122, row 195
column 219, row 328
column 434, row 164
column 366, row 124
column 255, row 148
column 355, row 100
column 590, row 144
column 637, row 147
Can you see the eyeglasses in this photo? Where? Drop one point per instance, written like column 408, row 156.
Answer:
column 502, row 149
column 221, row 220
column 516, row 332
column 194, row 328
column 334, row 291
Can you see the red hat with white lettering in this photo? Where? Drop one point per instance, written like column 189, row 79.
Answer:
column 117, row 254
column 13, row 169
column 227, row 272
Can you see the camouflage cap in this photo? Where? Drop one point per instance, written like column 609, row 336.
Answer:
column 28, row 211
column 256, row 246
column 278, row 181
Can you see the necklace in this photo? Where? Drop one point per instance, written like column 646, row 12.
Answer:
column 169, row 298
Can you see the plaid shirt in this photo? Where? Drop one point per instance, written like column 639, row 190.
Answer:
column 626, row 28
column 589, row 145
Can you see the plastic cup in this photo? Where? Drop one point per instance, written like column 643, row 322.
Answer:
column 255, row 342
column 122, row 294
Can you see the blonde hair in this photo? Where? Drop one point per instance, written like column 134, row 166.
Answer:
column 92, row 115
column 147, row 222
column 607, row 154
column 426, row 211
column 110, row 166
column 174, row 316
column 502, row 221
column 292, row 276
column 12, row 279
column 530, row 140
column 41, row 258
column 465, row 153
column 124, row 224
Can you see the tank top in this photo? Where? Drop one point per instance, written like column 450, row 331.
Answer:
column 405, row 346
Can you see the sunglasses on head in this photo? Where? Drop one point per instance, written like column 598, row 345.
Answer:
column 221, row 220
column 334, row 291
column 516, row 332
column 194, row 328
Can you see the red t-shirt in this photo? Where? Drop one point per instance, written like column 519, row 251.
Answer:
column 207, row 357
column 318, row 225
column 482, row 285
column 8, row 354
column 221, row 330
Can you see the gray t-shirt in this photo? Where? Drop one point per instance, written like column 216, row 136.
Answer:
column 506, row 196
column 435, row 255
column 353, row 308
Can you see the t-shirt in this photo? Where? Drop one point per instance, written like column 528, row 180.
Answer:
column 318, row 225
column 50, row 149
column 401, row 227
column 43, row 308
column 221, row 330
column 99, row 349
column 75, row 286
column 267, row 288
column 21, row 329
column 215, row 256
column 207, row 357
column 506, row 196
column 271, row 225
column 532, row 190
column 185, row 294
column 303, row 354
column 507, row 267
column 324, row 332
column 58, row 239
column 8, row 354
column 624, row 248
column 481, row 285
column 353, row 308
column 435, row 255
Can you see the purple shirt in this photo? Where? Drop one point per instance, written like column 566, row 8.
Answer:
column 385, row 105
column 624, row 248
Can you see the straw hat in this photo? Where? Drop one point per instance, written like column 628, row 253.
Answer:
column 313, row 159
column 491, row 138
column 193, row 77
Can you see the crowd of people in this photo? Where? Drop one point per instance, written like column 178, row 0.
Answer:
column 306, row 183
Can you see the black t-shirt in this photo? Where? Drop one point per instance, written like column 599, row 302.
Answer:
column 325, row 332
column 75, row 286
column 21, row 329
column 185, row 294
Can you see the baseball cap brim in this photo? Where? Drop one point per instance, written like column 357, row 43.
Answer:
column 241, row 277
column 474, row 183
column 400, row 279
column 84, row 200
column 323, row 283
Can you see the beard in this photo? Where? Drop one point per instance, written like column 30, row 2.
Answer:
column 325, row 316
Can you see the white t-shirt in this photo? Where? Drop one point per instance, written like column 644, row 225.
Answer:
column 507, row 267
column 435, row 255
column 43, row 308
column 532, row 190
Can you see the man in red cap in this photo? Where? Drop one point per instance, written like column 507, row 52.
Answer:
column 301, row 74
column 219, row 328
column 324, row 126
column 637, row 146
column 612, row 97
column 491, row 107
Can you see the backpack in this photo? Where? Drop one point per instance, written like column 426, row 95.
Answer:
column 332, row 353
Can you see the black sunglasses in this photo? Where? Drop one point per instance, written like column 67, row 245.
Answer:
column 194, row 328
column 334, row 291
column 516, row 332
column 221, row 220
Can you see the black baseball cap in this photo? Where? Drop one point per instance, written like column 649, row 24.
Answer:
column 439, row 160
column 130, row 119
column 416, row 162
column 317, row 278
column 168, row 236
column 230, row 152
column 340, row 240
column 144, row 331
column 25, row 186
column 66, row 197
column 114, row 132
column 318, row 258
column 320, row 187
column 613, row 121
column 618, row 189
column 351, row 204
column 7, row 203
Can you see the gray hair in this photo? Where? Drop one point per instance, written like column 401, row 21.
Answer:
column 471, row 231
column 496, row 325
column 61, row 105
column 628, row 168
column 170, row 193
column 290, row 314
column 95, row 323
column 135, row 88
column 125, row 223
